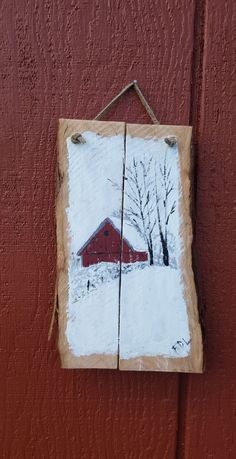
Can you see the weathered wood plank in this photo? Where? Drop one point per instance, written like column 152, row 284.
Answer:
column 159, row 327
column 89, row 241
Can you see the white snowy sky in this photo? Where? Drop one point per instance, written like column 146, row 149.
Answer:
column 92, row 197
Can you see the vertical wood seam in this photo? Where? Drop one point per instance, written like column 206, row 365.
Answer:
column 196, row 91
column 121, row 245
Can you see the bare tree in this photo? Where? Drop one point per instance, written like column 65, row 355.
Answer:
column 167, row 189
column 148, row 202
column 140, row 209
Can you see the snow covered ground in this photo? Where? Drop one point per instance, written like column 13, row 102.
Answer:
column 92, row 326
column 153, row 312
column 83, row 281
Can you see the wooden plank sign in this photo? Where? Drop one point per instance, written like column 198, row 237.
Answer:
column 125, row 284
column 89, row 242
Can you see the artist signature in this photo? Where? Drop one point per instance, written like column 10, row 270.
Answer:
column 180, row 345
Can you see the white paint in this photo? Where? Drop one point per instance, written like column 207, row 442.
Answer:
column 92, row 198
column 93, row 322
column 143, row 149
column 153, row 309
column 154, row 317
column 153, row 314
column 130, row 234
column 92, row 326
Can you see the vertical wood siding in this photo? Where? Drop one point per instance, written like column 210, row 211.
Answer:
column 67, row 59
column 208, row 409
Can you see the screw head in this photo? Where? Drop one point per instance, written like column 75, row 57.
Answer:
column 171, row 140
column 77, row 138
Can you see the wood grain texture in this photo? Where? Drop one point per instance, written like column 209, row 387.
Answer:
column 67, row 59
column 193, row 362
column 66, row 129
column 72, row 355
column 208, row 415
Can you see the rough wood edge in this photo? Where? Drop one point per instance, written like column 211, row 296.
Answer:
column 66, row 129
column 194, row 361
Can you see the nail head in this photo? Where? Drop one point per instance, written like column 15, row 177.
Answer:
column 77, row 138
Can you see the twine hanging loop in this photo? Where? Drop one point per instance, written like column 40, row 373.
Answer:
column 143, row 100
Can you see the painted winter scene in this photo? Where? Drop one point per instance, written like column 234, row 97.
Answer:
column 125, row 285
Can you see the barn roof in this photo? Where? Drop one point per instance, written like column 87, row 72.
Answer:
column 115, row 223
column 131, row 236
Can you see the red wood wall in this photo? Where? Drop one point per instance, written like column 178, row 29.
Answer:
column 67, row 58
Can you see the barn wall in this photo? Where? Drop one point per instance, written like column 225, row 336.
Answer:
column 66, row 59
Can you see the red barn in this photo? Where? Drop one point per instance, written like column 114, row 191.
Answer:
column 105, row 244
